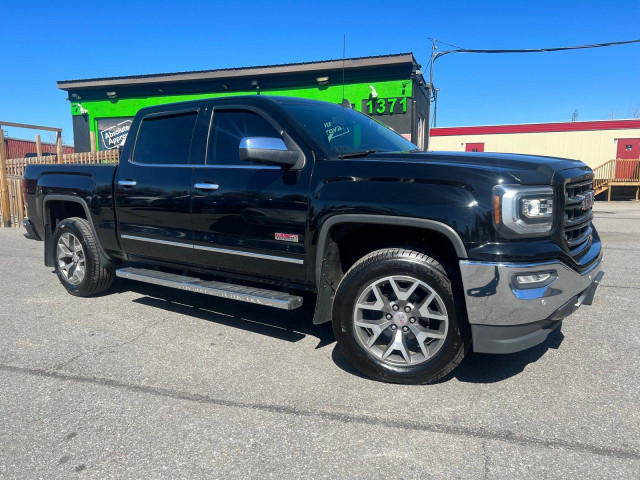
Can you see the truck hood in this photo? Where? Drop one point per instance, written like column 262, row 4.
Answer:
column 525, row 169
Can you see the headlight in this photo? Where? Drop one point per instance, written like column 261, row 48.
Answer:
column 523, row 210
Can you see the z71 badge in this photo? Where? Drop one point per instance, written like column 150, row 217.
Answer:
column 287, row 237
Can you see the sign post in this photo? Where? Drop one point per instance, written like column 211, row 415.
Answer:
column 4, row 187
column 59, row 147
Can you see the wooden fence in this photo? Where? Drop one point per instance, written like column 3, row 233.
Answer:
column 15, row 171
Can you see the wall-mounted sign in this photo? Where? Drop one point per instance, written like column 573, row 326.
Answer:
column 112, row 132
column 385, row 106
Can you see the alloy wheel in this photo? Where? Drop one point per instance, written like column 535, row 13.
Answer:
column 71, row 258
column 401, row 320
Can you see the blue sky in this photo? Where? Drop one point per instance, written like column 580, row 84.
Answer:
column 42, row 43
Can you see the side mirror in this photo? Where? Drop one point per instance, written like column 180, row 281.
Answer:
column 271, row 151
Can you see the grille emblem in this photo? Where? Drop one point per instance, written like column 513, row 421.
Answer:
column 587, row 201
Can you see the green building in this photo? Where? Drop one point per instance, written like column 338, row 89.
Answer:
column 388, row 87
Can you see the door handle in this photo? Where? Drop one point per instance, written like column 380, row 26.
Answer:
column 127, row 183
column 207, row 186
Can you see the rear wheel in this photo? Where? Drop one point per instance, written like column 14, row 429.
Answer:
column 77, row 259
column 397, row 320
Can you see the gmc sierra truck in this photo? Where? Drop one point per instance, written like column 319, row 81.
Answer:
column 414, row 256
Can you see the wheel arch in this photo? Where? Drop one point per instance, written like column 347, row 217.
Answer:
column 48, row 228
column 421, row 223
column 327, row 255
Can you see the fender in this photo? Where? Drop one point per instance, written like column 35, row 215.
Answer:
column 439, row 227
column 44, row 214
column 324, row 302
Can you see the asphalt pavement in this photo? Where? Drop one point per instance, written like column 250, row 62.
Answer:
column 149, row 382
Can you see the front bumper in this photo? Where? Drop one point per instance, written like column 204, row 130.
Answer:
column 506, row 318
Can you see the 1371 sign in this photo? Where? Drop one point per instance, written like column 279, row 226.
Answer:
column 385, row 106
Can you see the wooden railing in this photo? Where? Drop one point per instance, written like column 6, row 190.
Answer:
column 603, row 174
column 15, row 171
column 619, row 172
column 16, row 166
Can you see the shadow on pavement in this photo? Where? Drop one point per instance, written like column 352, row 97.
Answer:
column 290, row 326
column 293, row 326
column 479, row 367
column 486, row 368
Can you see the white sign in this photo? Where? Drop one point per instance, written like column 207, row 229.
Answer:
column 112, row 136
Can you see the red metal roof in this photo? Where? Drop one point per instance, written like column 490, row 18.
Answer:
column 537, row 127
column 18, row 148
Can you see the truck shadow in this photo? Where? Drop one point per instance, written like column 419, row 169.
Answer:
column 480, row 367
column 293, row 326
column 486, row 368
column 290, row 326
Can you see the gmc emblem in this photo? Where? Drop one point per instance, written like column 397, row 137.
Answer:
column 287, row 237
column 587, row 201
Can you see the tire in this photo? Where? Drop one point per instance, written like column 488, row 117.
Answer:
column 438, row 320
column 96, row 276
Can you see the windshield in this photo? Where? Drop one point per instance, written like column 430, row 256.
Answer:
column 343, row 131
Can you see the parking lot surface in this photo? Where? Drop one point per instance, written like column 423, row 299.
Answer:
column 149, row 382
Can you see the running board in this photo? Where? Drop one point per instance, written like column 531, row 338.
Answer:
column 259, row 296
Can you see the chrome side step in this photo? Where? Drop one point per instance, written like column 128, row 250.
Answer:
column 258, row 296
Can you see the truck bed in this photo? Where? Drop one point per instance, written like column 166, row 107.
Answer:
column 90, row 185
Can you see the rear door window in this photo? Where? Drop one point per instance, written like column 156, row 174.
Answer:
column 165, row 139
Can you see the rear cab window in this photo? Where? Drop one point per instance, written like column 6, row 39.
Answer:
column 165, row 139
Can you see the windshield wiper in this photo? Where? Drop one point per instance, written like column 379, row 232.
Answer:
column 356, row 154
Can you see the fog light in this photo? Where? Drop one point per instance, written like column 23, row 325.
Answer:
column 534, row 280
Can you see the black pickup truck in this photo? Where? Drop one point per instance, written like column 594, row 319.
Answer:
column 414, row 256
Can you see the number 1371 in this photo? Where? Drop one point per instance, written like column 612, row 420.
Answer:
column 386, row 106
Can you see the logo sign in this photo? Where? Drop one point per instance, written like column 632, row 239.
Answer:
column 287, row 237
column 112, row 132
column 587, row 201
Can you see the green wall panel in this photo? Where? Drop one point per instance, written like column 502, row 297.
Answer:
column 355, row 93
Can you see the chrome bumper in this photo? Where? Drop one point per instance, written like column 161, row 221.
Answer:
column 494, row 298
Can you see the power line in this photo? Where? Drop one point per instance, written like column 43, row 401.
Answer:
column 529, row 50
column 458, row 49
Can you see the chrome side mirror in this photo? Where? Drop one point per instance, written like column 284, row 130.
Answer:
column 271, row 151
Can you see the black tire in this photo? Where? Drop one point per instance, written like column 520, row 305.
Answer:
column 385, row 263
column 98, row 276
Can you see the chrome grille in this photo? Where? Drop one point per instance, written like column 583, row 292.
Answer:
column 577, row 220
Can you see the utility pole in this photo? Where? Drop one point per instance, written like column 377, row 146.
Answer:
column 4, row 188
column 432, row 93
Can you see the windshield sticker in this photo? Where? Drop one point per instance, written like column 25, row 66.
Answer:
column 334, row 131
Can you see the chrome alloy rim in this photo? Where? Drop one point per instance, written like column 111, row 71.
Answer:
column 401, row 320
column 71, row 259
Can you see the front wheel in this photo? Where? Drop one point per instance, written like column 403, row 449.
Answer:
column 396, row 318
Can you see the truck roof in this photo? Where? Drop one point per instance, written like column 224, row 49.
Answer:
column 249, row 99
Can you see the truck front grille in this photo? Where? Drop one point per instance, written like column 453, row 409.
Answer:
column 577, row 219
